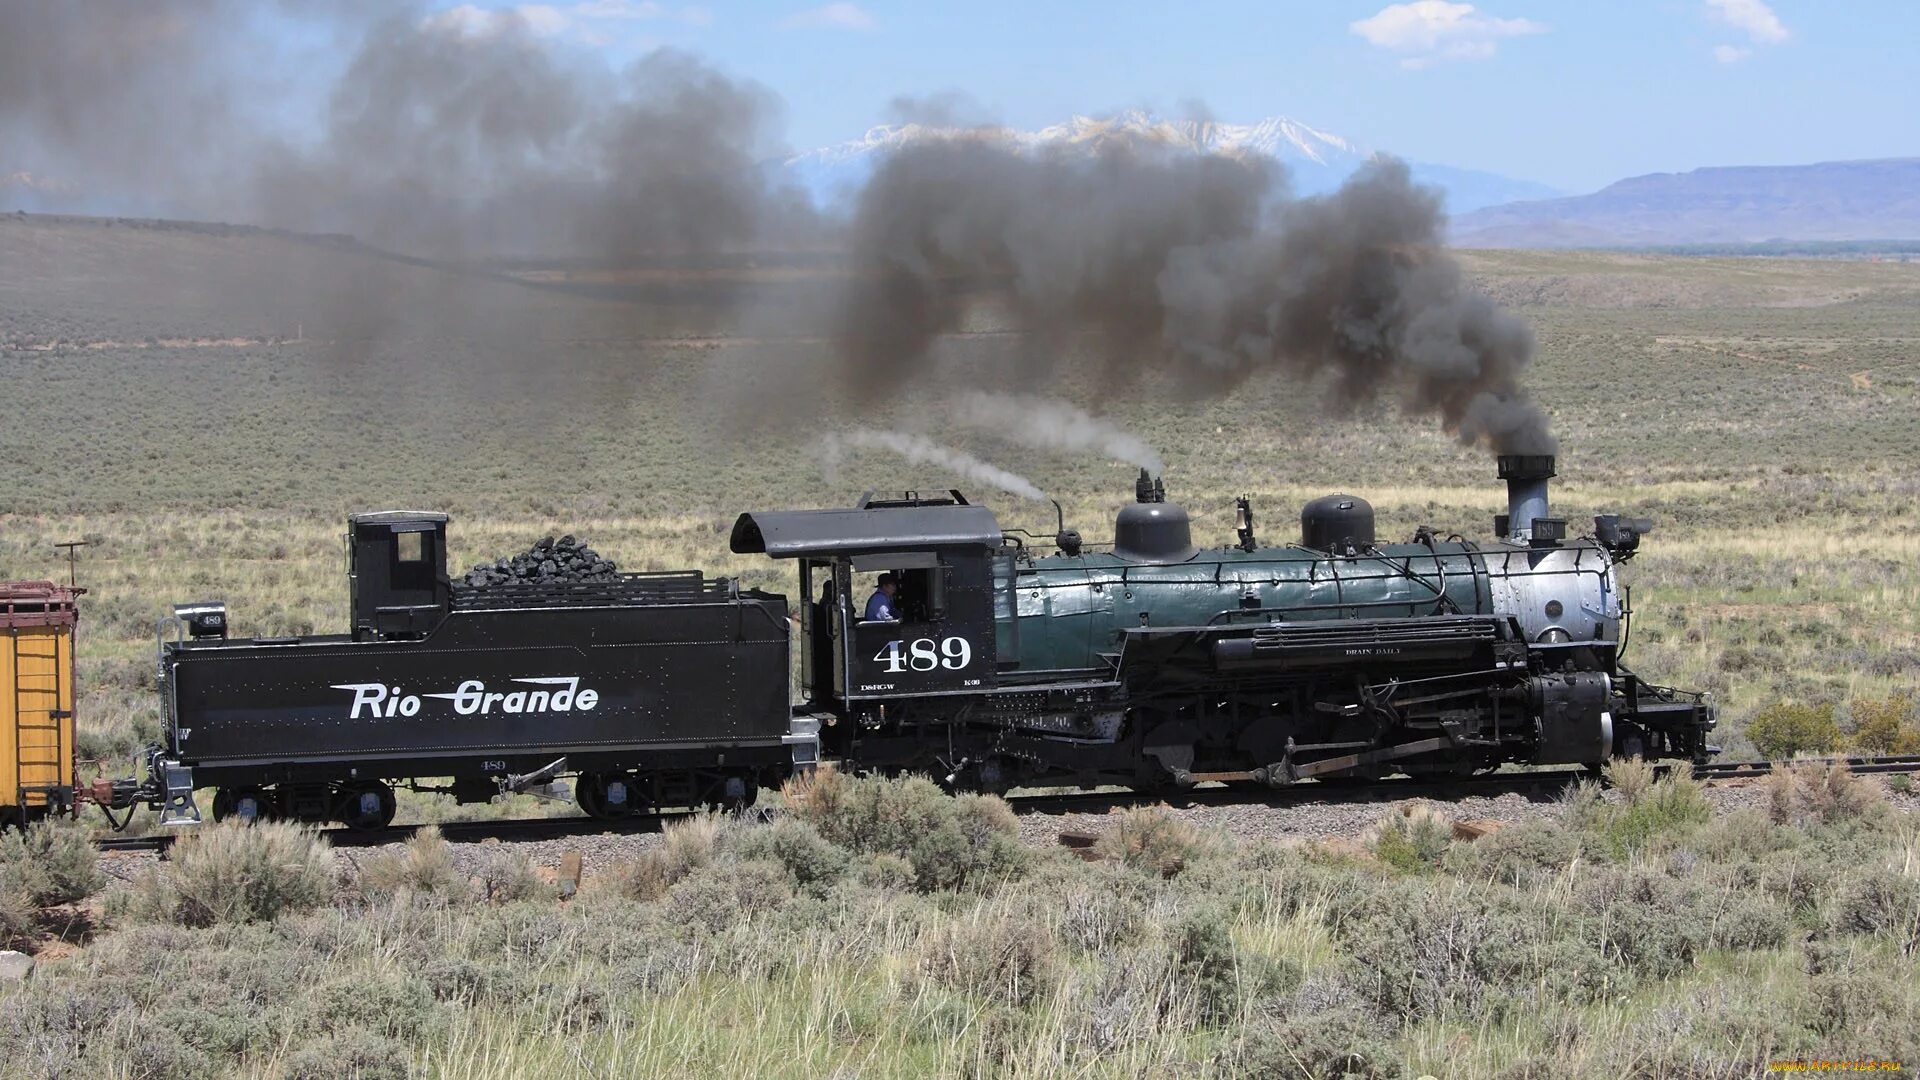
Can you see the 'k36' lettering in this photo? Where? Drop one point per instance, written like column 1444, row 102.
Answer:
column 925, row 654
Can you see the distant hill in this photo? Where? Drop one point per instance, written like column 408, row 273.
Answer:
column 1835, row 200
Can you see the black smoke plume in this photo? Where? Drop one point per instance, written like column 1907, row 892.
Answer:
column 466, row 133
column 449, row 133
column 1197, row 264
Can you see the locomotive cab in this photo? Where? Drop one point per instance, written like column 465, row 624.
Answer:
column 397, row 567
column 939, row 551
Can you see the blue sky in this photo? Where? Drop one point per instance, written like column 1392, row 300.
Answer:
column 1573, row 94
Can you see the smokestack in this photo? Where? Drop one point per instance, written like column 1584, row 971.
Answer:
column 1526, row 476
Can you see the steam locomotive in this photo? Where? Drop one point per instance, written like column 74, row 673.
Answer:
column 1153, row 664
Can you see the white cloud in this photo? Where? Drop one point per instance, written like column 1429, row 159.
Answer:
column 840, row 15
column 640, row 10
column 1730, row 54
column 585, row 22
column 469, row 22
column 543, row 19
column 1753, row 17
column 619, row 9
column 1429, row 31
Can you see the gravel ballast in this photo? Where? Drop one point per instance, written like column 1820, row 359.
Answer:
column 1346, row 818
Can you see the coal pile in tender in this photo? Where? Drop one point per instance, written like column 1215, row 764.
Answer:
column 549, row 560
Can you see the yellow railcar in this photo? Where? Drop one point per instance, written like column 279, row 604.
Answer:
column 37, row 620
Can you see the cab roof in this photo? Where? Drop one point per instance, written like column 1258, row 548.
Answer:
column 791, row 534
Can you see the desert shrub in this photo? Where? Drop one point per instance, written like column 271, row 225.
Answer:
column 1797, row 879
column 1631, row 776
column 348, row 1055
column 1879, row 901
column 147, row 1049
column 235, row 873
column 1900, row 783
column 1522, row 855
column 523, row 931
column 1000, row 957
column 1674, row 803
column 18, row 917
column 886, row 870
column 1671, row 805
column 1097, row 915
column 1884, row 725
column 1151, row 838
column 570, row 1004
column 644, row 877
column 685, row 846
column 1658, row 925
column 1745, row 920
column 459, row 978
column 48, row 1027
column 949, row 842
column 1810, row 793
column 1786, row 728
column 818, row 793
column 691, row 842
column 723, row 893
column 222, row 1028
column 1741, row 836
column 1126, row 997
column 814, row 861
column 509, row 876
column 1422, row 950
column 1413, row 840
column 1219, row 974
column 52, row 862
column 1583, row 805
column 985, row 816
column 422, row 868
column 384, row 1002
column 1856, row 997
column 1334, row 1044
column 1849, row 1002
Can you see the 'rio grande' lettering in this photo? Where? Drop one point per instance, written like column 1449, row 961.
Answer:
column 472, row 698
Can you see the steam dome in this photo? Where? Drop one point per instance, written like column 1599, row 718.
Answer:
column 1153, row 532
column 1341, row 524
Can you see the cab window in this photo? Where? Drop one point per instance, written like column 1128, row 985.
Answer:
column 413, row 566
column 921, row 595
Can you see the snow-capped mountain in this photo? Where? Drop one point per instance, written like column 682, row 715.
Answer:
column 24, row 186
column 1316, row 161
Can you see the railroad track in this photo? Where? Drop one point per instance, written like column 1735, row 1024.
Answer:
column 1734, row 770
column 1549, row 781
column 1052, row 802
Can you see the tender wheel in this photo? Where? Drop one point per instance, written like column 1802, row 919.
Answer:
column 247, row 805
column 366, row 805
column 734, row 793
column 607, row 796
